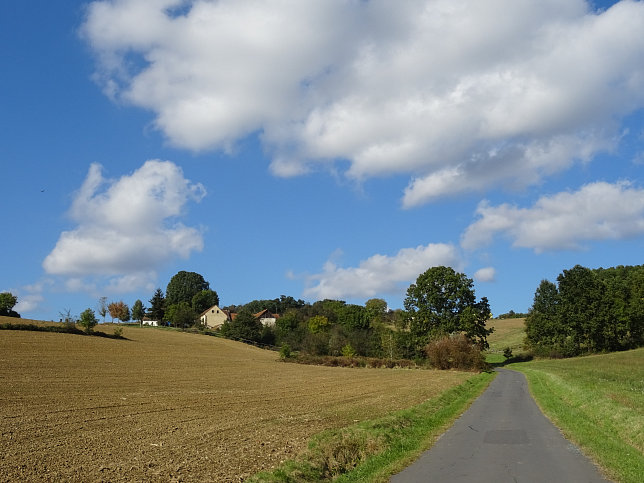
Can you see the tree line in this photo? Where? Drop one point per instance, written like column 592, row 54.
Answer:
column 187, row 295
column 588, row 311
column 440, row 303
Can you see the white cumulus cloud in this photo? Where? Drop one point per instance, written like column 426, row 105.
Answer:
column 455, row 94
column 380, row 274
column 564, row 221
column 486, row 274
column 127, row 227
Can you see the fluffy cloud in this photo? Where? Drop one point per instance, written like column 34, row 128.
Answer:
column 380, row 274
column 452, row 93
column 486, row 274
column 598, row 211
column 128, row 227
column 28, row 303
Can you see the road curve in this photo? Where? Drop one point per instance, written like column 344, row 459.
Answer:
column 502, row 437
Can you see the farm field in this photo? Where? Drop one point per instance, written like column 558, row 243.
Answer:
column 507, row 333
column 598, row 402
column 166, row 405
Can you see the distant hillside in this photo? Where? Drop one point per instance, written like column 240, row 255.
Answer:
column 507, row 333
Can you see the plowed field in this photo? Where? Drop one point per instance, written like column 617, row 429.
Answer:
column 171, row 406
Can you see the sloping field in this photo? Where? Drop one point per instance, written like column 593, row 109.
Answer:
column 166, row 405
column 507, row 333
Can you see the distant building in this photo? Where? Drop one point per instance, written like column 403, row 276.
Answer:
column 267, row 318
column 213, row 317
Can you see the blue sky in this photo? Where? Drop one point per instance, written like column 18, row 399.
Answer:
column 316, row 149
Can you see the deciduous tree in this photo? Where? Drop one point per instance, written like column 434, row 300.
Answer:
column 542, row 322
column 88, row 320
column 7, row 303
column 443, row 301
column 376, row 310
column 244, row 326
column 203, row 300
column 138, row 311
column 318, row 323
column 119, row 310
column 181, row 315
column 183, row 286
column 102, row 307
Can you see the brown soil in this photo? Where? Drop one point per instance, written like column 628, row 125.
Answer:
column 171, row 406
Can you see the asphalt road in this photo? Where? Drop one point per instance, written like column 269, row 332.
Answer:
column 502, row 437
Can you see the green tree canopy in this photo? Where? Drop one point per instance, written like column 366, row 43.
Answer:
column 318, row 323
column 244, row 327
column 542, row 325
column 443, row 301
column 203, row 300
column 588, row 311
column 157, row 306
column 88, row 320
column 352, row 317
column 181, row 315
column 376, row 310
column 183, row 286
column 138, row 311
column 276, row 306
column 7, row 303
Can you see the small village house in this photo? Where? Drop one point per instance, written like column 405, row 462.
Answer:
column 213, row 317
column 267, row 318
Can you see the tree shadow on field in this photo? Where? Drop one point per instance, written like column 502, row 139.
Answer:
column 499, row 360
column 62, row 329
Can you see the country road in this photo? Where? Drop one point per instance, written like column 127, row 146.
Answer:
column 502, row 437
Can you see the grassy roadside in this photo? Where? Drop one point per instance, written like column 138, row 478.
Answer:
column 597, row 402
column 372, row 451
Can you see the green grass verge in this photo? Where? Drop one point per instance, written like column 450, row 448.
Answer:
column 494, row 358
column 597, row 402
column 371, row 451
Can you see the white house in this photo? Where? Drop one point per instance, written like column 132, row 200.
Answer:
column 213, row 317
column 266, row 317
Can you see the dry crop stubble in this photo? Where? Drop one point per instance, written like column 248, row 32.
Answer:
column 167, row 405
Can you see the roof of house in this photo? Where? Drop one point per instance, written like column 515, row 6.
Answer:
column 211, row 308
column 266, row 314
column 263, row 314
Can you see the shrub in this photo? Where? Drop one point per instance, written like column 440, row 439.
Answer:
column 118, row 332
column 507, row 352
column 88, row 320
column 455, row 352
column 348, row 351
column 285, row 351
